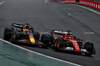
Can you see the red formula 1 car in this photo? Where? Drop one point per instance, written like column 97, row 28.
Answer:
column 69, row 42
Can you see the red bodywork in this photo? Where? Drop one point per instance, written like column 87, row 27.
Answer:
column 71, row 38
column 68, row 38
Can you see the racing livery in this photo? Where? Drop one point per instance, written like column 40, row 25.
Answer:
column 67, row 41
column 21, row 33
column 24, row 33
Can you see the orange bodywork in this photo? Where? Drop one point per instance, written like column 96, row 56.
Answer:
column 32, row 40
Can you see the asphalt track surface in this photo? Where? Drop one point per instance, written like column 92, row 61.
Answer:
column 47, row 16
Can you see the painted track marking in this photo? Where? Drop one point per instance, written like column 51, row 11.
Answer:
column 2, row 2
column 40, row 53
column 87, row 9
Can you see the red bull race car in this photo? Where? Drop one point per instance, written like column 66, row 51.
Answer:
column 67, row 41
column 21, row 33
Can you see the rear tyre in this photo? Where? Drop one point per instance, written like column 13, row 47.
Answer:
column 7, row 33
column 59, row 43
column 90, row 48
column 47, row 39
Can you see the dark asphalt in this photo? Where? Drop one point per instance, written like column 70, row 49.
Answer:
column 46, row 16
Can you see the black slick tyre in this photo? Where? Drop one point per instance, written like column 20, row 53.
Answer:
column 90, row 48
column 47, row 39
column 59, row 44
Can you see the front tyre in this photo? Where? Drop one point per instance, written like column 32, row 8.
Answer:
column 47, row 39
column 90, row 48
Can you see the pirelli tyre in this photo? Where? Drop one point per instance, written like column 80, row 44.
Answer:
column 36, row 35
column 47, row 39
column 59, row 43
column 90, row 48
column 7, row 33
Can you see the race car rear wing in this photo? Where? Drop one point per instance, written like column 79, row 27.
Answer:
column 17, row 25
column 58, row 32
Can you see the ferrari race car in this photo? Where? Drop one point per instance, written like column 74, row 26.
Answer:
column 67, row 41
column 21, row 33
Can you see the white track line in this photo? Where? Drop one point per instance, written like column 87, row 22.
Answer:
column 46, row 1
column 2, row 2
column 39, row 53
column 87, row 9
